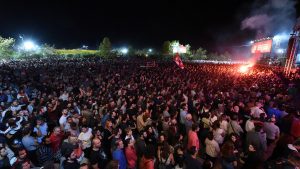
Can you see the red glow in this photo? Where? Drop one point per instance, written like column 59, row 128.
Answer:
column 262, row 46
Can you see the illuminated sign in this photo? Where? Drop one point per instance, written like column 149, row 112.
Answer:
column 262, row 46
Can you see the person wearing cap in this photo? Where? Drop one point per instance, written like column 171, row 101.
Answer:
column 272, row 130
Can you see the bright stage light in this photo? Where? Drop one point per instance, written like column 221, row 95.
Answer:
column 124, row 50
column 150, row 50
column 28, row 45
column 243, row 68
column 251, row 42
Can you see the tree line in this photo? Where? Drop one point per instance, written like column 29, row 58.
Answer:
column 9, row 50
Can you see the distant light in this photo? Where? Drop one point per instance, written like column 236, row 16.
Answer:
column 150, row 50
column 29, row 45
column 251, row 42
column 281, row 51
column 85, row 47
column 281, row 37
column 124, row 50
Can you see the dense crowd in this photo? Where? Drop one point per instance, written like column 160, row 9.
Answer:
column 88, row 113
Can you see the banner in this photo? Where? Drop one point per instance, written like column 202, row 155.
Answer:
column 178, row 61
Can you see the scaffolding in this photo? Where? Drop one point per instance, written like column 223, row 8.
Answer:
column 292, row 51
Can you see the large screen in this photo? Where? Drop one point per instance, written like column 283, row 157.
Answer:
column 262, row 46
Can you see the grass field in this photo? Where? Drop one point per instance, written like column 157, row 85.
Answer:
column 75, row 52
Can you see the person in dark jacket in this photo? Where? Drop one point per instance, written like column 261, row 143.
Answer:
column 191, row 161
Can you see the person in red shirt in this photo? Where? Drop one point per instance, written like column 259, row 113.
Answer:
column 130, row 153
column 193, row 139
column 295, row 128
column 147, row 161
column 56, row 139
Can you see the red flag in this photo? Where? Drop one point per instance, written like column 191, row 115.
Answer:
column 178, row 61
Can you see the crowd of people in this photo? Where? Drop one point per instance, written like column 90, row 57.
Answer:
column 93, row 114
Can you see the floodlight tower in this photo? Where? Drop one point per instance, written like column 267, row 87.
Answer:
column 292, row 49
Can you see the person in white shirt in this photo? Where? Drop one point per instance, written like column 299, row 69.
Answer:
column 219, row 133
column 224, row 123
column 234, row 126
column 85, row 137
column 63, row 119
column 257, row 110
column 249, row 126
column 212, row 148
column 128, row 132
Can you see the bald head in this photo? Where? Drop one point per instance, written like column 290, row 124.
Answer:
column 96, row 143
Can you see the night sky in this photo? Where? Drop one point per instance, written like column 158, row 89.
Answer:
column 213, row 25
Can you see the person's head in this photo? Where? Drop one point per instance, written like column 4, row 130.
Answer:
column 296, row 144
column 143, row 134
column 210, row 135
column 39, row 120
column 108, row 124
column 258, row 126
column 70, row 154
column 236, row 109
column 23, row 165
column 173, row 122
column 161, row 138
column 96, row 143
column 3, row 152
column 234, row 117
column 192, row 151
column 258, row 104
column 128, row 131
column 113, row 164
column 22, row 154
column 223, row 117
column 69, row 119
column 11, row 122
column 124, row 117
column 84, row 166
column 65, row 112
column 195, row 127
column 46, row 141
column 73, row 140
column 56, row 131
column 207, row 164
column 272, row 120
column 149, row 129
column 84, row 129
column 117, row 131
column 129, row 142
column 119, row 144
column 26, row 131
column 233, row 137
column 189, row 117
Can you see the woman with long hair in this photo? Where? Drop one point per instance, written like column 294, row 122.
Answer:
column 107, row 137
